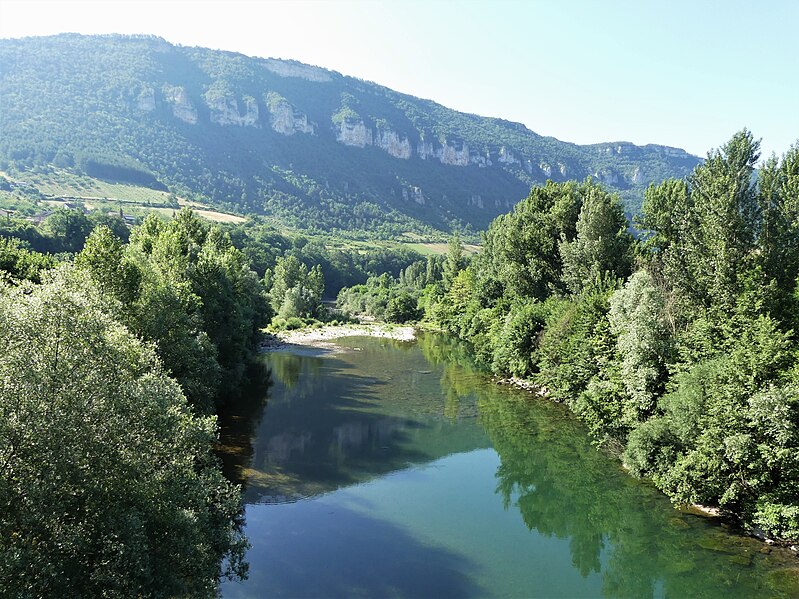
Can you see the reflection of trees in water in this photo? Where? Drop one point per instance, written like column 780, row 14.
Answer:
column 616, row 526
column 286, row 367
column 239, row 416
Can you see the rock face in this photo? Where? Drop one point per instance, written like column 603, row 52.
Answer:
column 415, row 194
column 638, row 175
column 182, row 107
column 425, row 150
column 283, row 117
column 225, row 111
column 353, row 132
column 146, row 100
column 450, row 154
column 302, row 71
column 507, row 157
column 480, row 160
column 390, row 141
column 607, row 176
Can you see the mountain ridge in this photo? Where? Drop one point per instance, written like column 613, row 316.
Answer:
column 284, row 138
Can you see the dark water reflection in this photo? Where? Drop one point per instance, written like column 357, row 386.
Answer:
column 425, row 479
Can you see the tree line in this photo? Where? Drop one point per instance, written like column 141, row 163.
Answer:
column 676, row 347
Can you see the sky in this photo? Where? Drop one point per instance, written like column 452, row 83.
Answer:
column 687, row 74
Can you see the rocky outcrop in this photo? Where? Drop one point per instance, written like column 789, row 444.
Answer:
column 476, row 200
column 284, row 118
column 607, row 176
column 415, row 194
column 425, row 150
column 353, row 132
column 389, row 140
column 506, row 156
column 637, row 176
column 564, row 170
column 301, row 71
column 450, row 154
column 480, row 160
column 145, row 102
column 225, row 110
column 182, row 107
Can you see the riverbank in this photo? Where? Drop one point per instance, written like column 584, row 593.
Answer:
column 316, row 340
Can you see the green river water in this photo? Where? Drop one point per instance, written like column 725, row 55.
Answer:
column 395, row 469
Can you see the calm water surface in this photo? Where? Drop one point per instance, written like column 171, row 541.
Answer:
column 395, row 469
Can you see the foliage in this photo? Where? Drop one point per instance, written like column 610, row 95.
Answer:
column 106, row 105
column 183, row 286
column 108, row 487
column 686, row 366
column 22, row 264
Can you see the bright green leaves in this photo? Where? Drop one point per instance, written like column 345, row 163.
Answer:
column 295, row 291
column 602, row 248
column 108, row 485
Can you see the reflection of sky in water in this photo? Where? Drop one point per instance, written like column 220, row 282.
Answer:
column 407, row 497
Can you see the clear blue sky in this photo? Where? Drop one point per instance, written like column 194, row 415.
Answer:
column 686, row 74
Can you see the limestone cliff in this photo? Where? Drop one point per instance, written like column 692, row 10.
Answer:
column 284, row 118
column 182, row 107
column 506, row 156
column 145, row 102
column 225, row 110
column 301, row 71
column 390, row 141
column 353, row 132
column 452, row 155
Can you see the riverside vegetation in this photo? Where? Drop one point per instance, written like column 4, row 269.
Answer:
column 114, row 353
column 677, row 348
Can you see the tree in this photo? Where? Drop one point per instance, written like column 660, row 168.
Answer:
column 69, row 229
column 103, row 258
column 108, row 485
column 455, row 261
column 643, row 342
column 603, row 245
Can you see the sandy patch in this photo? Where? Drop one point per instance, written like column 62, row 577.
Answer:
column 321, row 341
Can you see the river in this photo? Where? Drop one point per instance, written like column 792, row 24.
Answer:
column 396, row 469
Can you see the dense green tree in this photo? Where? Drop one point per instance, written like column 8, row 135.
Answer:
column 108, row 485
column 644, row 342
column 455, row 261
column 295, row 291
column 18, row 263
column 401, row 308
column 520, row 255
column 602, row 246
column 68, row 229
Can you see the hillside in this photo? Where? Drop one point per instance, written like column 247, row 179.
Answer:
column 316, row 149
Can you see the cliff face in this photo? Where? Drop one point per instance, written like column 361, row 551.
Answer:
column 182, row 106
column 225, row 110
column 280, row 135
column 284, row 118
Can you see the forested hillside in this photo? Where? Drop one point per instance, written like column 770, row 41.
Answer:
column 316, row 149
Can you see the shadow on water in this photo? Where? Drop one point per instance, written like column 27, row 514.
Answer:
column 239, row 415
column 322, row 424
column 352, row 556
column 327, row 422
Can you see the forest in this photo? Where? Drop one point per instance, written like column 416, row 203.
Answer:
column 672, row 338
column 674, row 341
column 119, row 346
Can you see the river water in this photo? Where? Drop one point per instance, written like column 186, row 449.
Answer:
column 395, row 469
